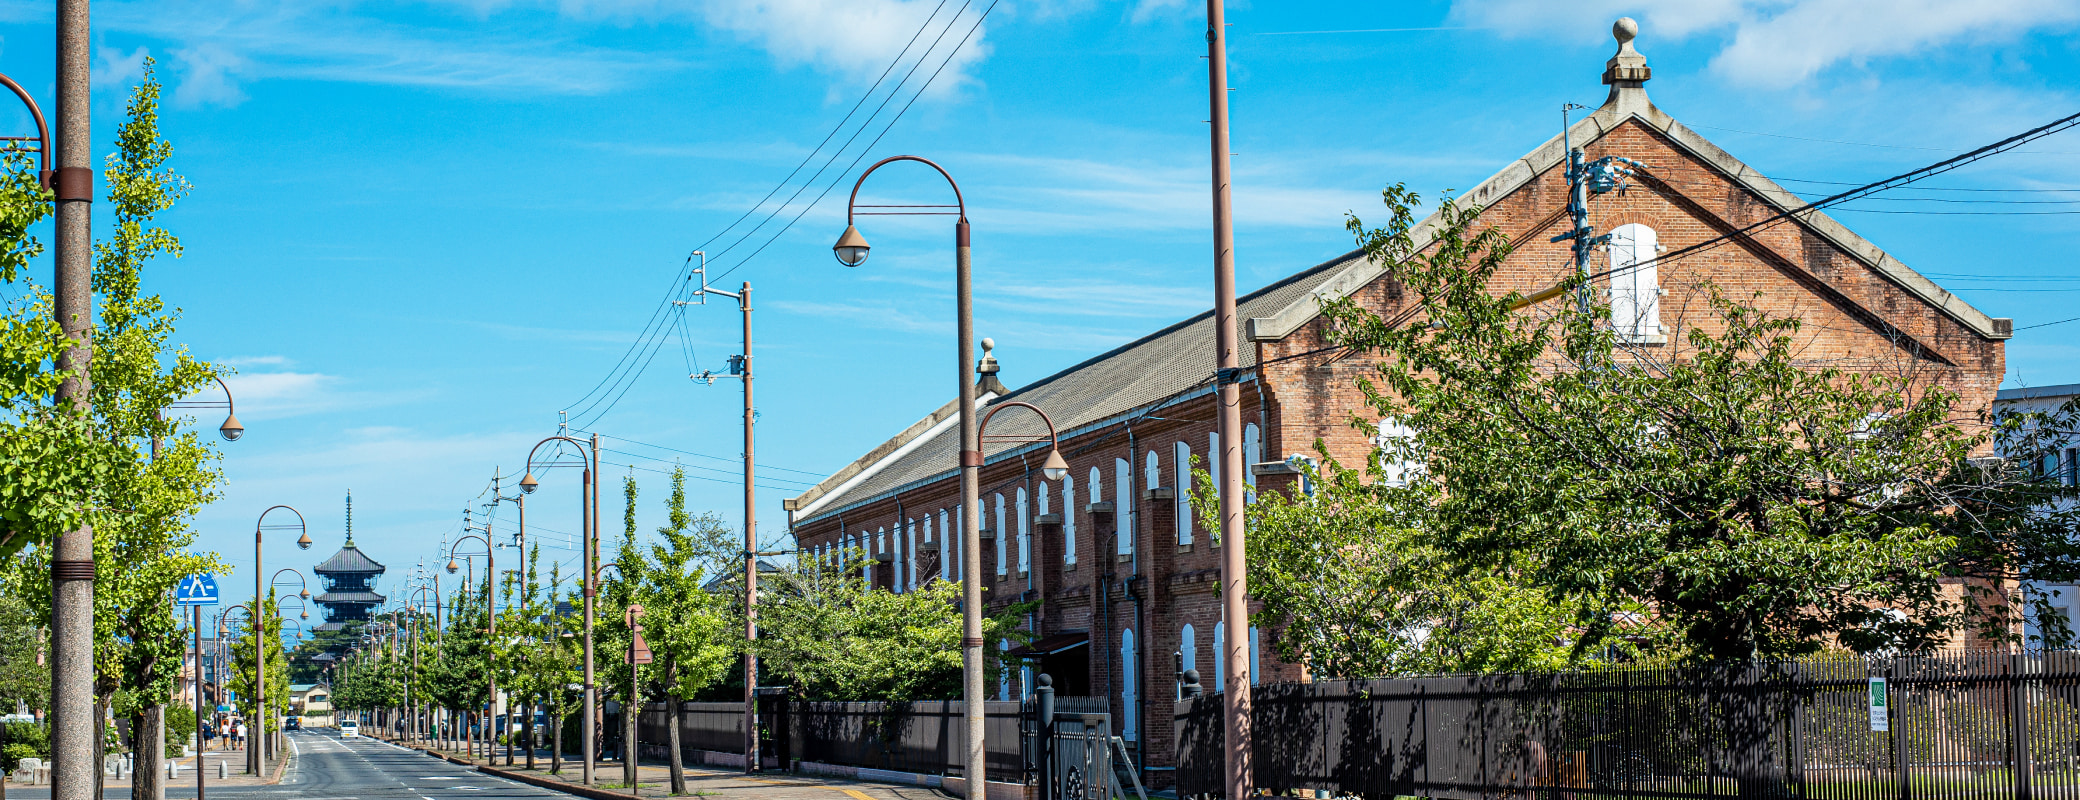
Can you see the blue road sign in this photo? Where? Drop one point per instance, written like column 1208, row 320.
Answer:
column 196, row 590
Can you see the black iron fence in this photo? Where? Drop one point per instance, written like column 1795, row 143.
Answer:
column 1946, row 725
column 924, row 737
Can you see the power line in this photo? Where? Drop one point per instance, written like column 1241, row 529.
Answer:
column 625, row 368
column 1923, row 188
column 2048, row 324
column 1865, row 190
column 1857, row 144
column 737, row 460
column 877, row 138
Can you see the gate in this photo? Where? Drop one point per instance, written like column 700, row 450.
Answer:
column 1070, row 753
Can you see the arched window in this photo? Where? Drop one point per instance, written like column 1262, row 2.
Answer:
column 1635, row 284
column 1003, row 551
column 1130, row 697
column 1182, row 454
column 1025, row 541
column 910, row 552
column 1396, row 442
column 946, row 549
column 1188, row 645
column 1252, row 452
column 1069, row 519
column 1123, row 504
column 1154, row 472
column 1220, row 656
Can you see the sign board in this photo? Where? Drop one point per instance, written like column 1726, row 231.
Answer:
column 1880, row 721
column 640, row 654
column 196, row 590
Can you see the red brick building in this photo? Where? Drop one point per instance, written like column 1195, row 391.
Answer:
column 1124, row 576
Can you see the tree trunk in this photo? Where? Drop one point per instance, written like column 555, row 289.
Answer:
column 555, row 750
column 100, row 747
column 529, row 710
column 630, row 748
column 671, row 725
column 148, row 730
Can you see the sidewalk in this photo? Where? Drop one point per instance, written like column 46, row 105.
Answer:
column 235, row 771
column 655, row 781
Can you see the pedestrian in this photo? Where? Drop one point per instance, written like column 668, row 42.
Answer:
column 238, row 734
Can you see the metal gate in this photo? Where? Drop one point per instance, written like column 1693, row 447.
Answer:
column 1071, row 754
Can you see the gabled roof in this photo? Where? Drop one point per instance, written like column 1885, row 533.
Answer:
column 1628, row 101
column 348, row 559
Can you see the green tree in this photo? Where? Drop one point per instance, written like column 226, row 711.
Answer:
column 269, row 629
column 1759, row 503
column 825, row 632
column 687, row 628
column 25, row 677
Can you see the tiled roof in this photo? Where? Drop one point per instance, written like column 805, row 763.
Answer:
column 350, row 597
column 1170, row 362
column 348, row 559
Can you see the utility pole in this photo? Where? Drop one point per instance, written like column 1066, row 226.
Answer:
column 74, row 771
column 1584, row 178
column 740, row 367
column 591, row 591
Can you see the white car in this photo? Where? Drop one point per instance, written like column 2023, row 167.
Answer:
column 349, row 730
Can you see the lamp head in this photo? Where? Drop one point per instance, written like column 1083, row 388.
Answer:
column 528, row 484
column 306, row 594
column 1055, row 468
column 453, row 567
column 306, row 615
column 231, row 430
column 303, row 542
column 851, row 248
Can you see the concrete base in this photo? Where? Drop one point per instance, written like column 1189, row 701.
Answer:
column 996, row 790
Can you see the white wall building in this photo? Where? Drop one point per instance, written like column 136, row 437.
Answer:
column 2062, row 467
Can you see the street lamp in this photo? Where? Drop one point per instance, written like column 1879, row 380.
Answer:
column 588, row 530
column 491, row 618
column 851, row 250
column 231, row 430
column 254, row 756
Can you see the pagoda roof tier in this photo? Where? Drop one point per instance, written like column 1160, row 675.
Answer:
column 349, row 597
column 349, row 559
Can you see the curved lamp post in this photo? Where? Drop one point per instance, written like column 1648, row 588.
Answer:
column 254, row 757
column 231, row 430
column 303, row 594
column 412, row 610
column 491, row 618
column 851, row 251
column 589, row 531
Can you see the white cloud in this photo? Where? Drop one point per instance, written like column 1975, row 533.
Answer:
column 857, row 38
column 219, row 47
column 209, row 76
column 1782, row 42
column 114, row 68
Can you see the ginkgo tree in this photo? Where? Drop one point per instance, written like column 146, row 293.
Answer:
column 127, row 468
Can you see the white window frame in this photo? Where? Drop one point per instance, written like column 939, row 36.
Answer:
column 1635, row 283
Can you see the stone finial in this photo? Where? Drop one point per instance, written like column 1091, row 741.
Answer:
column 1627, row 68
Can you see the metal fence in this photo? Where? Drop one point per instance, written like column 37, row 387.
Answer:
column 1945, row 725
column 926, row 737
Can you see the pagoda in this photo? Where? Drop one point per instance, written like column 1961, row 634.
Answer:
column 350, row 581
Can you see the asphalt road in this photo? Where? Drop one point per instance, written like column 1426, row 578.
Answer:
column 330, row 768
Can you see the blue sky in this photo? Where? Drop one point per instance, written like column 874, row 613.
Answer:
column 421, row 229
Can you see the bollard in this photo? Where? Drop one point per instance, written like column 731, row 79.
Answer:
column 221, row 774
column 173, row 770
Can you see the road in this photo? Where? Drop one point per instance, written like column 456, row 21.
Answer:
column 331, row 768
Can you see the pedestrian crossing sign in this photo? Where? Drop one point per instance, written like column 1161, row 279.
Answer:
column 196, row 590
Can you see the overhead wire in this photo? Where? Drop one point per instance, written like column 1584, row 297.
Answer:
column 636, row 359
column 1864, row 190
